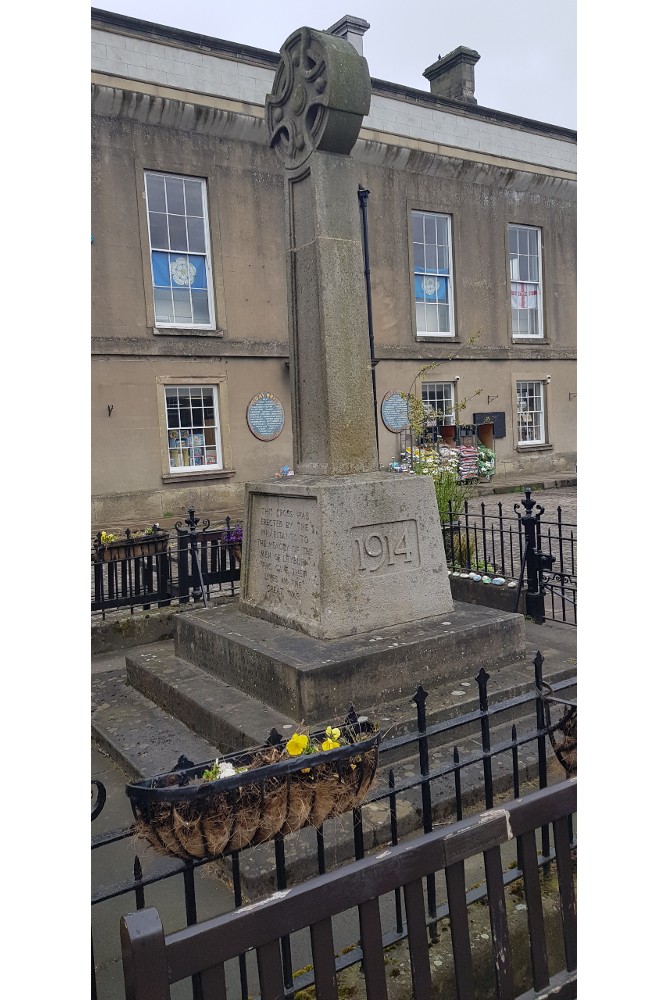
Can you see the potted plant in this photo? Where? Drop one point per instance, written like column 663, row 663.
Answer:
column 109, row 547
column 249, row 796
column 235, row 539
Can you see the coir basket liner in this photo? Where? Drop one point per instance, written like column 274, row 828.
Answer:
column 182, row 816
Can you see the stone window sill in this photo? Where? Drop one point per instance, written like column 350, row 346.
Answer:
column 173, row 331
column 444, row 339
column 189, row 477
column 534, row 447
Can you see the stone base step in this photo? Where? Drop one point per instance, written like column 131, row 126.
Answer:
column 310, row 679
column 166, row 706
column 140, row 737
column 218, row 712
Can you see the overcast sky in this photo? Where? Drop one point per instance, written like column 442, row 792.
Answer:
column 527, row 48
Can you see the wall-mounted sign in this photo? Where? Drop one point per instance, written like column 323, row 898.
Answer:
column 497, row 418
column 265, row 416
column 394, row 411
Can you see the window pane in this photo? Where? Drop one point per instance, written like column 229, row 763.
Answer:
column 418, row 227
column 431, row 258
column 421, row 318
column 533, row 275
column 158, row 227
column 431, row 318
column 429, row 228
column 441, row 229
column 193, row 198
column 175, row 199
column 164, row 312
column 178, row 239
column 443, row 318
column 200, row 306
column 532, row 241
column 155, row 193
column 523, row 241
column 514, row 240
column 523, row 268
column 182, row 307
column 191, row 444
column 514, row 267
column 196, row 238
column 419, row 257
column 443, row 260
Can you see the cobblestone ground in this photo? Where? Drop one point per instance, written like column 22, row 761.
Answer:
column 551, row 500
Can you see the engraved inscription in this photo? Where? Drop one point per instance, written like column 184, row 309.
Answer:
column 386, row 548
column 284, row 537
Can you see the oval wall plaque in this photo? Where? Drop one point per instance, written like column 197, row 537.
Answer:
column 395, row 412
column 265, row 416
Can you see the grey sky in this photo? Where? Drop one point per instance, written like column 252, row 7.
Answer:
column 527, row 48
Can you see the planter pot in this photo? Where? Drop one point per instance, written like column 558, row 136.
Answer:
column 131, row 548
column 182, row 816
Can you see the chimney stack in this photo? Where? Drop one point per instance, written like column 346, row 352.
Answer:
column 453, row 75
column 351, row 28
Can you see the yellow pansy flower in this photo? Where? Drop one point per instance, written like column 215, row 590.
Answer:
column 330, row 745
column 297, row 745
column 333, row 733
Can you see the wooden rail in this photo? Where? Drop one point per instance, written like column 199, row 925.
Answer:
column 153, row 961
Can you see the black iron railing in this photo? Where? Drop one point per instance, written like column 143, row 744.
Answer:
column 440, row 786
column 540, row 555
column 194, row 563
column 154, row 960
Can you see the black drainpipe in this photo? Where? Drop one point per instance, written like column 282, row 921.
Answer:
column 363, row 194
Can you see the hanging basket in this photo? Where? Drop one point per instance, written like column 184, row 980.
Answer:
column 181, row 815
column 131, row 548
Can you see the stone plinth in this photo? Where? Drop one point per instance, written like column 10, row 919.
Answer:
column 315, row 680
column 341, row 555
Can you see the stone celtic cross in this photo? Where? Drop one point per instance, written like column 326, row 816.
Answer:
column 320, row 94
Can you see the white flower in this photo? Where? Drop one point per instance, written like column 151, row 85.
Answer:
column 225, row 769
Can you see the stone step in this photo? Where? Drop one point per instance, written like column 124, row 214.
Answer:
column 226, row 717
column 140, row 737
column 311, row 679
column 459, row 696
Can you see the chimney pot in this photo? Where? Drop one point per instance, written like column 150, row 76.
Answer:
column 352, row 29
column 453, row 75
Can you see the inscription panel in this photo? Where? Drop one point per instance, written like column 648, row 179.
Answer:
column 284, row 538
column 392, row 547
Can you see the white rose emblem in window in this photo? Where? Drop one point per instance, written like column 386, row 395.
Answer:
column 182, row 271
column 430, row 285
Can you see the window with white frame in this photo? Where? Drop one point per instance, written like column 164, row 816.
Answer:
column 193, row 428
column 438, row 400
column 526, row 281
column 180, row 251
column 432, row 263
column 530, row 413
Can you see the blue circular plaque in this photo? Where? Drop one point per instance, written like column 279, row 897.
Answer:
column 265, row 416
column 395, row 412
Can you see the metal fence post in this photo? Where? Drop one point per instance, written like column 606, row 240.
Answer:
column 534, row 593
column 419, row 699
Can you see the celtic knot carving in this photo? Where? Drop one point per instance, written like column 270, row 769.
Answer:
column 320, row 94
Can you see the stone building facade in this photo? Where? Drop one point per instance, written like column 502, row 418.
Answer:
column 471, row 217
